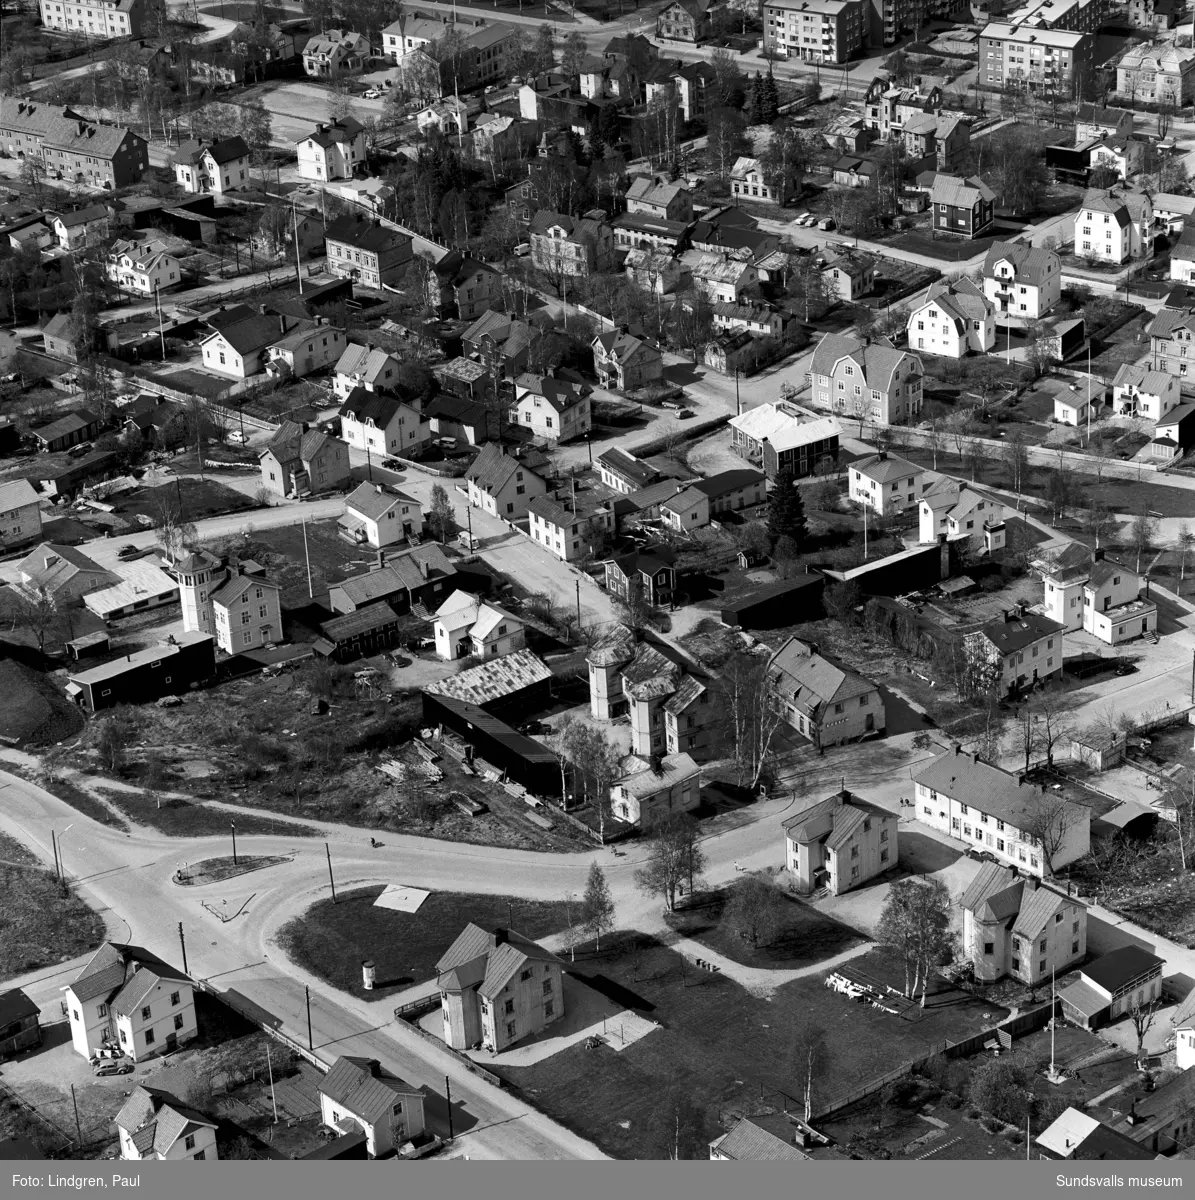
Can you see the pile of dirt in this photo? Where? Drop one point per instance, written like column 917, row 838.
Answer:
column 33, row 712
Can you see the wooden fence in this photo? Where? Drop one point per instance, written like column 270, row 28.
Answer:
column 463, row 1059
column 262, row 1019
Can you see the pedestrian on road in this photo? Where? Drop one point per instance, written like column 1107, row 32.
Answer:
column 736, row 866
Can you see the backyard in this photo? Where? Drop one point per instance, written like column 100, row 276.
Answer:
column 194, row 498
column 721, row 1048
column 332, row 940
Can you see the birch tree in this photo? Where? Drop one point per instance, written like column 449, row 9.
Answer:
column 916, row 922
column 753, row 712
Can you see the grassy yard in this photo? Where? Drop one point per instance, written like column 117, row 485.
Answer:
column 38, row 925
column 332, row 940
column 720, row 1049
column 199, row 498
column 804, row 936
column 33, row 712
column 184, row 818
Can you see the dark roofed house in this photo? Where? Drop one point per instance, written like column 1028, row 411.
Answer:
column 409, row 581
column 369, row 629
column 1111, row 986
column 167, row 669
column 962, row 206
column 1078, row 1136
column 20, row 1029
column 621, row 470
column 503, row 485
column 366, row 251
column 649, row 573
column 772, row 1137
column 360, row 1095
column 462, row 286
column 1017, row 650
column 299, row 461
column 70, row 430
column 155, row 1125
column 823, row 701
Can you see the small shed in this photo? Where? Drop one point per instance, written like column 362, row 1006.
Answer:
column 89, row 645
column 1099, row 750
column 776, row 604
column 20, row 1027
column 1174, row 434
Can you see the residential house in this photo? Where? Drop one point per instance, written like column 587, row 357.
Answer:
column 127, row 999
column 217, row 167
column 1028, row 58
column 154, row 1125
column 732, row 231
column 71, row 147
column 1123, row 156
column 623, row 472
column 689, row 716
column 839, row 844
column 722, row 279
column 1082, row 589
column 1183, row 1021
column 335, row 53
column 462, row 286
column 656, row 196
column 1149, row 74
column 465, row 625
column 772, row 1137
column 1097, row 120
column 564, row 245
column 848, row 131
column 20, row 515
column 829, row 31
column 685, row 20
column 758, row 319
column 1016, row 650
column 364, row 367
column 653, row 788
column 624, row 362
column 238, row 351
column 1170, row 334
column 497, row 988
column 360, row 1095
column 734, row 490
column 854, row 172
column 556, row 409
column 82, row 228
column 748, row 181
column 1174, row 434
column 638, row 231
column 447, row 116
column 944, row 138
column 370, row 629
column 503, row 344
column 404, row 581
column 468, row 421
column 464, row 378
column 380, row 516
column 304, row 351
column 962, row 796
column 669, row 709
column 171, row 668
column 501, row 140
column 334, row 151
column 20, row 1027
column 70, row 430
column 884, row 483
column 1182, row 257
column 1140, row 390
column 654, row 271
column 1155, row 14
column 952, row 320
column 1022, row 279
column 62, row 573
column 571, row 531
column 237, row 604
column 270, row 43
column 1077, row 1135
column 886, row 107
column 649, row 574
column 870, row 381
column 140, row 585
column 960, row 512
column 1017, row 926
column 364, row 250
column 783, row 439
column 731, row 353
column 106, row 19
column 850, row 275
column 298, row 461
column 502, row 485
column 823, row 701
column 963, row 206
column 145, row 268
column 382, row 423
column 1111, row 986
column 1114, row 226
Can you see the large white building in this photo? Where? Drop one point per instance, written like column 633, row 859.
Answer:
column 334, row 151
column 952, row 321
column 466, row 626
column 99, row 19
column 1081, row 589
column 156, row 1126
column 884, row 484
column 1032, row 59
column 238, row 606
column 1114, row 226
column 1022, row 280
column 960, row 512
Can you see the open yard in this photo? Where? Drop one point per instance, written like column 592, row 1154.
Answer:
column 721, row 1050
column 38, row 924
column 33, row 712
column 332, row 940
column 198, row 498
column 803, row 936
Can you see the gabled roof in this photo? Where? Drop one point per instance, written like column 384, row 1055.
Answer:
column 749, row 1142
column 561, row 394
column 834, row 819
column 613, row 648
column 493, row 469
column 655, row 191
column 373, row 501
column 124, row 975
column 878, row 360
column 962, row 303
column 236, row 585
column 495, row 956
column 362, row 233
column 650, row 674
column 621, row 346
column 810, row 680
column 1117, row 968
column 625, row 465
column 646, row 779
column 1015, row 631
column 15, row 1006
column 884, row 467
column 367, row 361
column 729, row 481
column 158, row 1119
column 1170, row 319
column 960, row 193
column 493, row 679
column 71, row 423
column 49, row 566
column 251, row 335
column 1143, row 378
column 1103, row 200
column 365, row 406
column 364, row 1088
column 83, row 216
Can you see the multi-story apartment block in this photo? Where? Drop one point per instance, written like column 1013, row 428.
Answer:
column 966, row 798
column 365, row 250
column 839, row 844
column 884, row 484
column 1170, row 344
column 71, row 147
column 829, row 31
column 95, row 18
column 870, row 381
column 570, row 532
column 1019, row 927
column 1077, row 16
column 1151, row 75
column 1022, row 279
column 1048, row 61
column 573, row 246
column 462, row 286
column 952, row 320
column 1015, row 651
column 334, row 151
column 1114, row 226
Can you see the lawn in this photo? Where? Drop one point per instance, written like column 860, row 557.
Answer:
column 199, row 498
column 38, row 925
column 720, row 1049
column 332, row 940
column 804, row 935
column 185, row 818
column 33, row 712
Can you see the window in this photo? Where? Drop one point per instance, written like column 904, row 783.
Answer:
column 124, row 1041
column 989, row 947
column 1042, row 946
column 1074, row 947
column 101, row 1010
column 178, row 1021
column 549, row 1008
column 854, row 852
column 189, row 1142
column 524, row 976
column 145, row 1013
column 509, row 1006
column 962, row 809
column 1075, row 927
column 547, row 987
column 510, row 1029
column 397, row 1109
column 175, row 999
column 883, row 856
column 149, row 1037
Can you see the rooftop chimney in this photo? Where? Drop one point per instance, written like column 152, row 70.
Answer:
column 882, row 456
column 1098, row 555
column 958, row 749
column 500, row 937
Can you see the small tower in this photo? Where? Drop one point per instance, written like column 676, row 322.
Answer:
column 196, row 573
column 606, row 658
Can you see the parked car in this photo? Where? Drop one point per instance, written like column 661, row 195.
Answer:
column 127, row 552
column 80, row 450
column 115, row 1067
column 685, row 414
column 372, row 94
column 237, row 436
column 532, row 728
column 392, row 464
column 468, row 540
column 799, row 219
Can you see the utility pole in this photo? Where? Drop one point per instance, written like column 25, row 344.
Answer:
column 78, row 1125
column 448, row 1097
column 331, row 880
column 270, row 1068
column 58, row 865
column 307, row 992
column 738, row 404
column 578, row 583
column 298, row 258
column 161, row 334
column 182, row 942
column 368, row 462
column 235, row 861
column 307, row 556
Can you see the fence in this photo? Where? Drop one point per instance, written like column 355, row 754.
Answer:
column 463, row 1059
column 1023, row 1023
column 261, row 1018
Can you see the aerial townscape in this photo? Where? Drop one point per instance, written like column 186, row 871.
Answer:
column 584, row 581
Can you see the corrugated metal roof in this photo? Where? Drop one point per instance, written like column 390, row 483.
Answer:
column 494, row 679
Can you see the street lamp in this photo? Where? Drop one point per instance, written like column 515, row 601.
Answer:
column 56, row 845
column 233, row 825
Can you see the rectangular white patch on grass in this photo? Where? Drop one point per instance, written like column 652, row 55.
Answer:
column 626, row 1029
column 401, row 898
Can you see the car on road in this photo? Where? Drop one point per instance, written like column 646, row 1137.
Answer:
column 371, row 94
column 114, row 1067
column 535, row 727
column 127, row 552
column 391, row 464
column 799, row 219
column 237, row 436
column 685, row 414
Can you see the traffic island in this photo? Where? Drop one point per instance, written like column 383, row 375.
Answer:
column 215, row 870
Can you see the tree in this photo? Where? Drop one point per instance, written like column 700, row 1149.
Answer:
column 674, row 856
column 1051, row 820
column 810, row 1055
column 770, row 97
column 809, row 287
column 974, row 458
column 724, row 141
column 916, row 922
column 37, row 611
column 597, row 905
column 112, row 738
column 573, row 53
column 1143, row 534
column 786, row 510
column 1061, row 491
column 33, row 173
column 755, row 101
column 1142, row 1014
column 728, row 79
column 1183, row 542
column 1000, row 1088
column 752, row 713
column 677, row 1125
column 1052, row 715
column 174, row 533
column 442, row 515
column 545, row 47
column 1015, row 452
column 754, row 909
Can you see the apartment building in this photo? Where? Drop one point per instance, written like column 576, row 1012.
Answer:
column 1077, row 16
column 1114, row 226
column 1022, row 279
column 1170, row 334
column 884, row 484
column 573, row 246
column 334, row 151
column 1083, row 589
column 839, row 844
column 867, row 380
column 570, row 531
column 1152, row 75
column 822, row 700
column 366, row 251
column 95, row 18
column 72, row 147
column 1048, row 61
column 1015, row 651
column 829, row 31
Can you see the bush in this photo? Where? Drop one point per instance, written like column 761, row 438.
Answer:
column 999, row 1087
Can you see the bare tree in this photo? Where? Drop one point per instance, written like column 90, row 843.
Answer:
column 674, row 856
column 174, row 533
column 810, row 1058
column 1142, row 1014
column 1052, row 818
column 1052, row 714
column 753, row 713
column 37, row 611
column 1143, row 533
column 935, row 438
column 754, row 909
column 1183, row 543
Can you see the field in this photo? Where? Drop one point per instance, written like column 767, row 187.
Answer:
column 183, row 818
column 199, row 498
column 33, row 712
column 38, row 925
column 720, row 1049
column 332, row 940
column 804, row 935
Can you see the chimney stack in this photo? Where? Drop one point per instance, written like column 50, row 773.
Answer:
column 1098, row 555
column 500, row 937
column 882, row 456
column 958, row 749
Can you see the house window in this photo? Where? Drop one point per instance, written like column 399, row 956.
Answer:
column 124, row 1041
column 989, row 947
column 854, row 852
column 149, row 1037
column 525, row 976
column 549, row 1008
column 397, row 1109
column 174, row 999
column 145, row 1013
column 509, row 1006
column 547, row 987
column 1074, row 947
column 189, row 1142
column 883, row 856
column 510, row 1029
column 101, row 1010
column 178, row 1021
